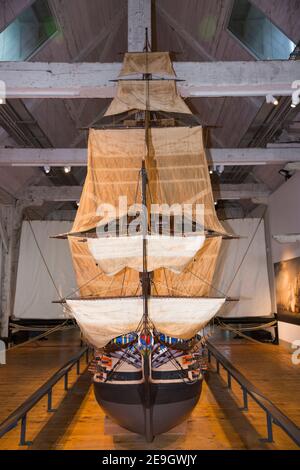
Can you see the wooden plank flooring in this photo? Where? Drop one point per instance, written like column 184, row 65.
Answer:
column 267, row 366
column 216, row 423
column 29, row 366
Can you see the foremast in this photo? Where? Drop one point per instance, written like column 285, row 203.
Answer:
column 146, row 281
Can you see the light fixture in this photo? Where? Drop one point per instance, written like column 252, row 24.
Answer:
column 216, row 203
column 2, row 101
column 47, row 169
column 77, row 202
column 219, row 169
column 270, row 99
column 67, row 169
column 211, row 172
column 293, row 105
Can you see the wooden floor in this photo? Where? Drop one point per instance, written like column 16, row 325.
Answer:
column 267, row 366
column 216, row 423
column 28, row 367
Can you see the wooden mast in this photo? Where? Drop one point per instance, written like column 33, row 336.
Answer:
column 146, row 285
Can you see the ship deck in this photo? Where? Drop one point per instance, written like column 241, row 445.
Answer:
column 216, row 423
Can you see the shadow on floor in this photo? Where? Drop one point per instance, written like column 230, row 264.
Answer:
column 56, row 427
column 237, row 418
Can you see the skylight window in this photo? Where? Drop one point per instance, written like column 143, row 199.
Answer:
column 27, row 33
column 257, row 33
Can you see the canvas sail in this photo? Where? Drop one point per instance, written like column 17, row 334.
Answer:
column 173, row 316
column 133, row 94
column 93, row 282
column 177, row 173
column 116, row 253
column 156, row 63
column 154, row 95
column 197, row 279
column 108, row 266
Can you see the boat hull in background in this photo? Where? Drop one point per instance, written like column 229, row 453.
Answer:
column 170, row 405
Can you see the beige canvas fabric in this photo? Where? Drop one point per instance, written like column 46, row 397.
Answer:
column 197, row 277
column 115, row 253
column 177, row 174
column 176, row 165
column 101, row 320
column 92, row 282
column 195, row 280
column 155, row 63
column 160, row 95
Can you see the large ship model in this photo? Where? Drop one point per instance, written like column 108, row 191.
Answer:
column 145, row 271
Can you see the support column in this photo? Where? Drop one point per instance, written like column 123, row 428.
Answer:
column 270, row 263
column 139, row 18
column 11, row 217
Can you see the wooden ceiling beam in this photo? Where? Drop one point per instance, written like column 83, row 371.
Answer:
column 78, row 156
column 139, row 18
column 36, row 194
column 200, row 79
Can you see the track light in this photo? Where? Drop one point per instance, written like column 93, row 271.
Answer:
column 219, row 169
column 270, row 99
column 286, row 174
column 47, row 169
column 67, row 169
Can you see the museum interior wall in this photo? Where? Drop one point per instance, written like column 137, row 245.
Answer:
column 284, row 218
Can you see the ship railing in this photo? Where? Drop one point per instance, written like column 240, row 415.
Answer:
column 273, row 414
column 20, row 413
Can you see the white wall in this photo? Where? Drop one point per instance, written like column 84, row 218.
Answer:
column 35, row 290
column 284, row 218
column 249, row 264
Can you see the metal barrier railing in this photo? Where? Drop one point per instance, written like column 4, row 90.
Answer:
column 273, row 414
column 20, row 414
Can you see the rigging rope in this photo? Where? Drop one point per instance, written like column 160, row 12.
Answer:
column 83, row 285
column 43, row 335
column 174, row 290
column 207, row 283
column 43, row 258
column 238, row 332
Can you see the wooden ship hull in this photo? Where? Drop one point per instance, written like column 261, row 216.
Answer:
column 148, row 408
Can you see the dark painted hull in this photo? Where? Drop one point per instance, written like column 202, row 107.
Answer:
column 169, row 405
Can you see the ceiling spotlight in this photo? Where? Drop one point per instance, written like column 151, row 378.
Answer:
column 211, row 172
column 2, row 101
column 293, row 105
column 67, row 169
column 286, row 174
column 216, row 203
column 219, row 169
column 270, row 99
column 47, row 169
column 77, row 202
